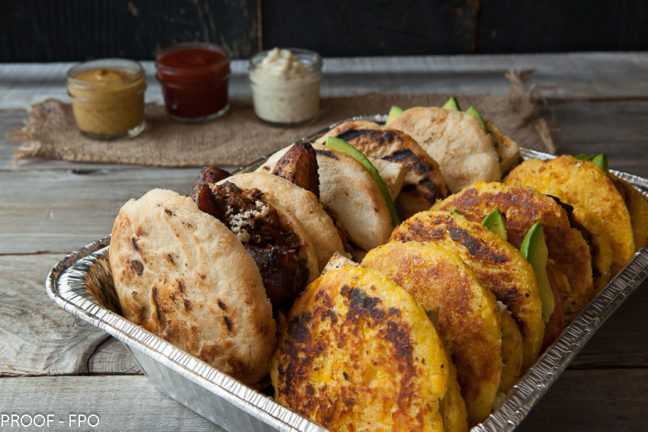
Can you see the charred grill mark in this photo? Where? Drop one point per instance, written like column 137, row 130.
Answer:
column 299, row 328
column 433, row 192
column 326, row 153
column 169, row 212
column 187, row 305
column 222, row 305
column 300, row 351
column 476, row 247
column 154, row 295
column 330, row 315
column 414, row 162
column 378, row 136
column 399, row 337
column 228, row 323
column 134, row 241
column 137, row 267
column 360, row 304
column 180, row 287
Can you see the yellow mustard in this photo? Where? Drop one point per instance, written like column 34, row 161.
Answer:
column 108, row 97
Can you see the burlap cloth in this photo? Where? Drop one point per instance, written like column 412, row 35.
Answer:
column 239, row 138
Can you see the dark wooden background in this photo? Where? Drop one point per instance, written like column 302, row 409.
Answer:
column 72, row 30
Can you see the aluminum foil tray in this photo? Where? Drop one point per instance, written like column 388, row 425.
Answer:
column 81, row 284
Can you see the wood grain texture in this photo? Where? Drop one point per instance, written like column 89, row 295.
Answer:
column 112, row 357
column 62, row 210
column 122, row 403
column 593, row 401
column 37, row 337
column 68, row 30
column 372, row 28
column 581, row 401
column 591, row 76
column 562, row 26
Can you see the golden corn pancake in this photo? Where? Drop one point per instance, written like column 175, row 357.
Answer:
column 512, row 355
column 466, row 314
column 358, row 354
column 598, row 206
column 522, row 207
column 453, row 406
column 499, row 266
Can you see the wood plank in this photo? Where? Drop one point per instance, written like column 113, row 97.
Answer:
column 60, row 211
column 38, row 337
column 612, row 127
column 121, row 403
column 562, row 26
column 593, row 401
column 588, row 401
column 112, row 357
column 362, row 28
column 77, row 30
column 567, row 76
column 621, row 341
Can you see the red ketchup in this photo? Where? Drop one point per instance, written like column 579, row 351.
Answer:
column 194, row 78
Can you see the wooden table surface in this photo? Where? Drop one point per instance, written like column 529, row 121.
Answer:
column 52, row 363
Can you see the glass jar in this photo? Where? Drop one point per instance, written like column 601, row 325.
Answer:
column 285, row 85
column 107, row 98
column 194, row 77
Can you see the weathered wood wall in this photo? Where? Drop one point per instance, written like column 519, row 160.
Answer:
column 70, row 30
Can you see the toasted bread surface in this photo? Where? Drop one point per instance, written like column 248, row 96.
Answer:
column 456, row 141
column 181, row 274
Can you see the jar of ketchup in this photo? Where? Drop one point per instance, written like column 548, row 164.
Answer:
column 194, row 78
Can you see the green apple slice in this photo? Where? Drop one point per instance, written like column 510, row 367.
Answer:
column 494, row 221
column 452, row 104
column 346, row 148
column 394, row 113
column 535, row 251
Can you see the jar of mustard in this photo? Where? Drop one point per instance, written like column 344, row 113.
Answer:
column 107, row 98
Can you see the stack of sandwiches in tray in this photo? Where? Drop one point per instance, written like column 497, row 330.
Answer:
column 397, row 277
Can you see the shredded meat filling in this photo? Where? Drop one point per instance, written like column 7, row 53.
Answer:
column 274, row 247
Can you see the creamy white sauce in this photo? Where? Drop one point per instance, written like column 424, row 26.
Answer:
column 285, row 88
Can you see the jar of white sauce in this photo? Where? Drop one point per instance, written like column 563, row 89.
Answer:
column 285, row 85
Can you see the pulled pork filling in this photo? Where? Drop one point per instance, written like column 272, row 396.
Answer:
column 274, row 247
